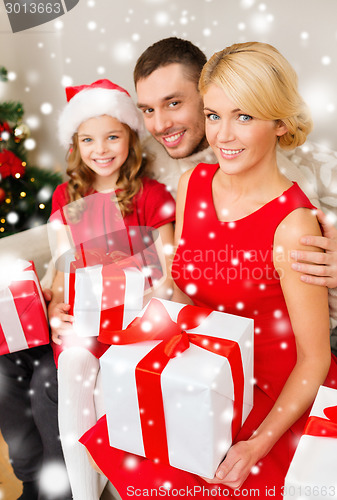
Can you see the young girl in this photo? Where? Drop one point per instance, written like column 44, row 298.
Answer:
column 101, row 127
column 251, row 105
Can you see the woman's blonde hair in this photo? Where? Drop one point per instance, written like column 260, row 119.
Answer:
column 129, row 180
column 262, row 83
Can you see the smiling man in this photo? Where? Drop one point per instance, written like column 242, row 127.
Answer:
column 166, row 78
column 173, row 110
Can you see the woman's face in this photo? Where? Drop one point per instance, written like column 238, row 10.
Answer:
column 239, row 141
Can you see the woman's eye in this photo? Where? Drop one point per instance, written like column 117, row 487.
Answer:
column 213, row 117
column 113, row 137
column 245, row 118
column 87, row 139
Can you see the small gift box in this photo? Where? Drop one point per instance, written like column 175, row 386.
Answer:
column 178, row 384
column 312, row 472
column 23, row 315
column 104, row 291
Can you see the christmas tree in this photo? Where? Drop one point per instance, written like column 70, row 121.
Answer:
column 25, row 191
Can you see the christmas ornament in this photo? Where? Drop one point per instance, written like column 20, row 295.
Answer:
column 21, row 131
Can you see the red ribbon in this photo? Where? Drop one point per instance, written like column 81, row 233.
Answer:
column 156, row 324
column 323, row 427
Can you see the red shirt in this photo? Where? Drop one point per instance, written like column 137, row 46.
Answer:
column 102, row 225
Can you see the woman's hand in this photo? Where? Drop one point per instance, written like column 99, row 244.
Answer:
column 60, row 321
column 237, row 465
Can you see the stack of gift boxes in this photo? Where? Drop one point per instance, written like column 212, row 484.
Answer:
column 172, row 365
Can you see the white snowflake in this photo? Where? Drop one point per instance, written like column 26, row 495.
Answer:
column 146, row 326
column 191, row 289
column 53, row 480
column 46, row 108
column 326, row 60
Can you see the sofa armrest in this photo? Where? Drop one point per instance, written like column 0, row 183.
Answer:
column 29, row 245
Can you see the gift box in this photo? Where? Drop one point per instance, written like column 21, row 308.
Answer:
column 103, row 292
column 23, row 315
column 312, row 472
column 178, row 384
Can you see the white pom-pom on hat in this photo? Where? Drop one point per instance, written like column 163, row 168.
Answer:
column 99, row 98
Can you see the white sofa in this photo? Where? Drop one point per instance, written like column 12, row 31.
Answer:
column 29, row 245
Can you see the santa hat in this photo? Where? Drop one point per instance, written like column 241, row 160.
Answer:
column 100, row 98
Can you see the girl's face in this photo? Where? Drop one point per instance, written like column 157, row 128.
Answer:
column 238, row 140
column 104, row 147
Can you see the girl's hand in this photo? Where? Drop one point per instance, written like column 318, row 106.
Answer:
column 60, row 322
column 237, row 465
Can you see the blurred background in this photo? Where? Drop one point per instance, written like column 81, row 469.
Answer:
column 103, row 39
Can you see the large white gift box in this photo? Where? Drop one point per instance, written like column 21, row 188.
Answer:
column 312, row 474
column 180, row 400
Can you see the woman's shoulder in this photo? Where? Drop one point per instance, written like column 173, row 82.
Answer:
column 198, row 174
column 298, row 223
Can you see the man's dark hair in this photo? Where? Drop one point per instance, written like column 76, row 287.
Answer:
column 169, row 51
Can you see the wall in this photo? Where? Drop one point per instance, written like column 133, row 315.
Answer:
column 103, row 38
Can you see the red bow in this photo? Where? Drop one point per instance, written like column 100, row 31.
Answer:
column 156, row 324
column 323, row 427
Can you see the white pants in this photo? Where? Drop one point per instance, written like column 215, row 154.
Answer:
column 80, row 406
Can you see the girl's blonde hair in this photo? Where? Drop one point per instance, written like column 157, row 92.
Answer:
column 263, row 84
column 82, row 177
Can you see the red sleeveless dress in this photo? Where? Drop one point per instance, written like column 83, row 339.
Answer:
column 227, row 266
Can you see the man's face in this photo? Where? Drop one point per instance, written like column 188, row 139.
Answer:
column 173, row 110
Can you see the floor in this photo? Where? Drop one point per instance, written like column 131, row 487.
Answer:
column 10, row 486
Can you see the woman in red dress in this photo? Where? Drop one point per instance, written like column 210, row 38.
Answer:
column 237, row 222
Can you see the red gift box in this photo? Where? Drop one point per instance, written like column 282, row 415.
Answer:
column 23, row 315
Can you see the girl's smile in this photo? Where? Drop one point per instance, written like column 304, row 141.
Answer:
column 104, row 147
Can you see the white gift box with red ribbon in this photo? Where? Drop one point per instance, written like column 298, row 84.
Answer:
column 100, row 299
column 186, row 413
column 23, row 315
column 312, row 473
